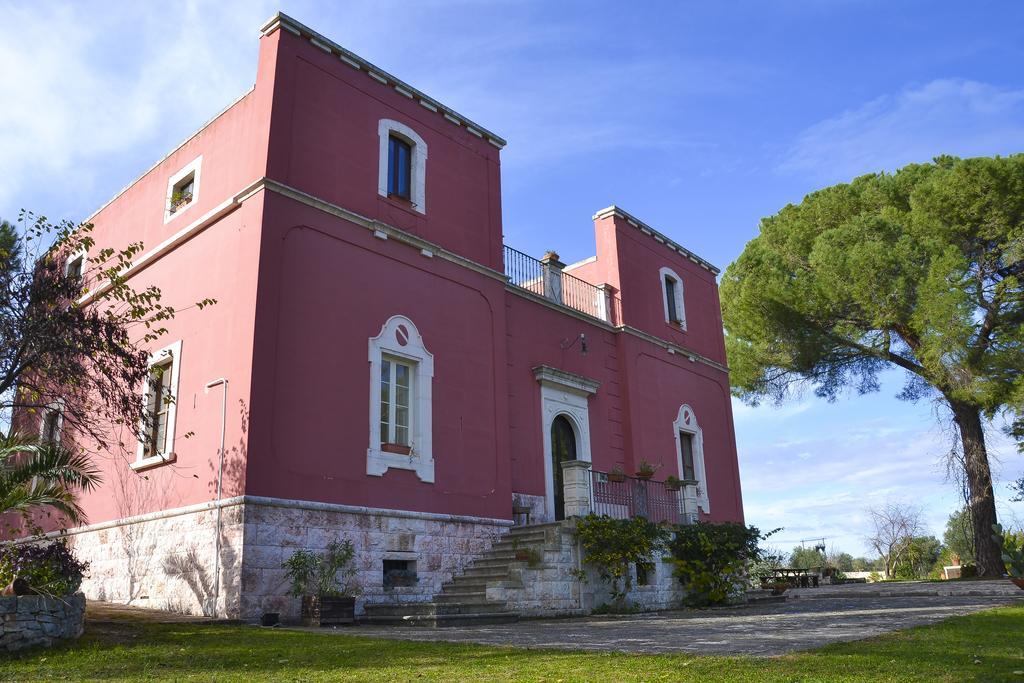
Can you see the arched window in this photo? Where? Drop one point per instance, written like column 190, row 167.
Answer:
column 402, row 171
column 401, row 398
column 672, row 297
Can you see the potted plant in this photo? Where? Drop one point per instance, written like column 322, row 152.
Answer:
column 617, row 474
column 325, row 582
column 1012, row 547
column 645, row 470
column 673, row 483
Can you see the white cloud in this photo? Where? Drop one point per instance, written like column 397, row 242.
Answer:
column 83, row 84
column 944, row 116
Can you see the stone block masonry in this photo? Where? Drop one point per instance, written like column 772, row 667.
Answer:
column 166, row 560
column 28, row 620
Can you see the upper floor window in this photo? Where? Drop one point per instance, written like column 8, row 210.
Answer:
column 672, row 297
column 74, row 269
column 183, row 189
column 399, row 167
column 159, row 400
column 401, row 374
column 402, row 168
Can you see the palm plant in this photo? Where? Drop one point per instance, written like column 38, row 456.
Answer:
column 37, row 474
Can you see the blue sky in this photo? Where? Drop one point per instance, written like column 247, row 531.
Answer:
column 699, row 118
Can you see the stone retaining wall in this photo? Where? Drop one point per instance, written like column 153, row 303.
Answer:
column 29, row 620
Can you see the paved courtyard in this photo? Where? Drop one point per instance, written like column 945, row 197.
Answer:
column 809, row 619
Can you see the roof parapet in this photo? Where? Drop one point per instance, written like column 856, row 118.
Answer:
column 658, row 237
column 282, row 21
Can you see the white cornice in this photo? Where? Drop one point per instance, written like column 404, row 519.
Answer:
column 562, row 379
column 281, row 20
column 659, row 237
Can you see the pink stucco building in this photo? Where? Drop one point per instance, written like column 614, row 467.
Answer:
column 381, row 367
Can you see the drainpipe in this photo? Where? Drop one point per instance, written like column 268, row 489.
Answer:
column 220, row 482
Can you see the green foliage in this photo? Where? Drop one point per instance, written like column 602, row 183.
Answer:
column 1012, row 550
column 806, row 558
column 843, row 562
column 918, row 559
column 922, row 270
column 81, row 340
column 711, row 559
column 35, row 475
column 49, row 568
column 918, row 269
column 959, row 535
column 331, row 573
column 612, row 545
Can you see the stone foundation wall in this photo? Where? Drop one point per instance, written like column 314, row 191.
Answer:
column 553, row 586
column 165, row 562
column 441, row 546
column 29, row 620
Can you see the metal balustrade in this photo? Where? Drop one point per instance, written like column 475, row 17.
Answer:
column 547, row 279
column 634, row 497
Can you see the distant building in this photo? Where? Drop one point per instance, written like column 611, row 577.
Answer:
column 393, row 373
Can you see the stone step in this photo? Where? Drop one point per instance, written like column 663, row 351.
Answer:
column 470, row 584
column 461, row 590
column 431, row 608
column 463, row 598
column 441, row 620
column 494, row 573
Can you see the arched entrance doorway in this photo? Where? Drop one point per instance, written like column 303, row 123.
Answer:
column 563, row 447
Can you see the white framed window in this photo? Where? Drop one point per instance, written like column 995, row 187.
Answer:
column 159, row 396
column 51, row 425
column 690, row 453
column 672, row 297
column 401, row 376
column 402, row 166
column 75, row 266
column 183, row 189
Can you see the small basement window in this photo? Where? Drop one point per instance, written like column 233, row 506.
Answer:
column 399, row 573
column 644, row 573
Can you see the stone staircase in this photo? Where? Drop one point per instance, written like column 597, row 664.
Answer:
column 463, row 600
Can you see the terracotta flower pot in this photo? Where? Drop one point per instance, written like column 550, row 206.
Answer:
column 1018, row 582
column 617, row 477
column 644, row 475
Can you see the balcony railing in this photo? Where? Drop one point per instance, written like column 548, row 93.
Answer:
column 626, row 497
column 547, row 279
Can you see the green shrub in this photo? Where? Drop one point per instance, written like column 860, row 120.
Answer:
column 331, row 573
column 50, row 568
column 711, row 559
column 612, row 545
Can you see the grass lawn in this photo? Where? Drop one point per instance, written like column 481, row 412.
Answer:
column 987, row 646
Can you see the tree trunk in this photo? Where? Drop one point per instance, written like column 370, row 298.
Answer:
column 979, row 481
